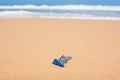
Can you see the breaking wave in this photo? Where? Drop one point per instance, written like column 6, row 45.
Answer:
column 61, row 11
column 64, row 7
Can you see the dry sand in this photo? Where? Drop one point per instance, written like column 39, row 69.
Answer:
column 28, row 47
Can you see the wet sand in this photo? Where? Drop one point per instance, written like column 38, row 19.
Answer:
column 28, row 47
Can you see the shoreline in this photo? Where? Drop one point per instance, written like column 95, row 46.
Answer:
column 97, row 19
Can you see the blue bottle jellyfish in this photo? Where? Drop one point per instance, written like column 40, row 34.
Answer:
column 61, row 61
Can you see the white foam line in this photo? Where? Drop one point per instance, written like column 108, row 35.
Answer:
column 64, row 7
column 27, row 14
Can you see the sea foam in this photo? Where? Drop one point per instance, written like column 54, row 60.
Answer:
column 64, row 7
column 61, row 11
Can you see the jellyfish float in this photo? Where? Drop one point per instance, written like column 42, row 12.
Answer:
column 61, row 61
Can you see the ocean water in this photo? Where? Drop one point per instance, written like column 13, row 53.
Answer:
column 111, row 12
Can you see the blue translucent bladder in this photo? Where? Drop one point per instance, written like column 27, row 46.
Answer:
column 61, row 61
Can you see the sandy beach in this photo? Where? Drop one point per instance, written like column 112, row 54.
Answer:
column 28, row 47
